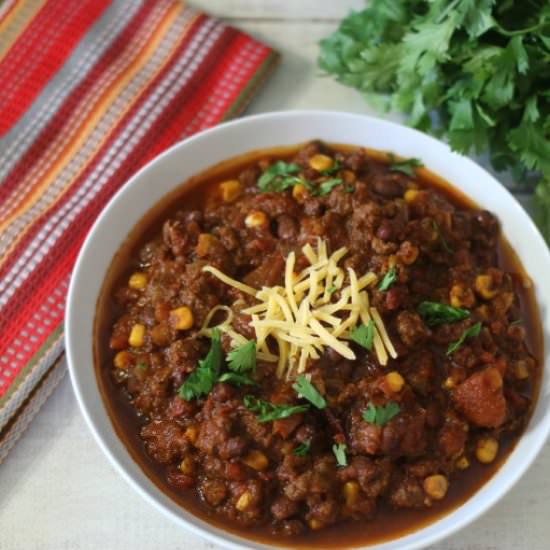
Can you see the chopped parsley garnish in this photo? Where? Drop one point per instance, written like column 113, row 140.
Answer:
column 364, row 335
column 435, row 313
column 308, row 391
column 407, row 166
column 206, row 373
column 243, row 358
column 302, row 449
column 349, row 188
column 237, row 379
column 332, row 170
column 380, row 415
column 441, row 238
column 331, row 289
column 339, row 450
column 327, row 186
column 471, row 332
column 141, row 366
column 279, row 176
column 389, row 278
column 267, row 411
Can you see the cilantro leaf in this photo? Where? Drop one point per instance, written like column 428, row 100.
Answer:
column 364, row 335
column 206, row 373
column 267, row 411
column 308, row 391
column 302, row 449
column 389, row 279
column 435, row 313
column 327, row 186
column 237, row 379
column 380, row 415
column 339, row 450
column 279, row 177
column 471, row 332
column 243, row 358
column 407, row 166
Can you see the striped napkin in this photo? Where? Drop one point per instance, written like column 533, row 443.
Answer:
column 91, row 90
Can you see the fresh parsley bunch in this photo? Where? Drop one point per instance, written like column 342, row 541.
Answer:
column 481, row 66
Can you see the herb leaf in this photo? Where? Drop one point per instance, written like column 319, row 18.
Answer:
column 364, row 335
column 141, row 366
column 327, row 186
column 407, row 166
column 471, row 332
column 237, row 379
column 267, row 411
column 279, row 177
column 206, row 373
column 441, row 237
column 308, row 391
column 339, row 450
column 243, row 358
column 435, row 313
column 302, row 449
column 389, row 278
column 331, row 289
column 380, row 415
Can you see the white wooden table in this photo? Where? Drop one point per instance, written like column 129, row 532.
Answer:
column 58, row 491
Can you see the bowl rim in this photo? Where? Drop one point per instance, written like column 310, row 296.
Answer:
column 205, row 529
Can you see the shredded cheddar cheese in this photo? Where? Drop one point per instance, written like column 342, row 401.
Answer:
column 302, row 317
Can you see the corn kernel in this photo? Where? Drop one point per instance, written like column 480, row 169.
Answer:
column 256, row 460
column 122, row 360
column 138, row 280
column 204, row 244
column 320, row 162
column 315, row 524
column 449, row 383
column 137, row 335
column 244, row 501
column 299, row 192
column 521, row 371
column 395, row 381
column 351, row 492
column 182, row 318
column 462, row 463
column 256, row 219
column 230, row 190
column 410, row 195
column 192, row 433
column 484, row 286
column 436, row 486
column 461, row 297
column 486, row 450
column 187, row 466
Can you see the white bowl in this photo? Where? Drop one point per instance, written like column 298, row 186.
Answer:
column 199, row 152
